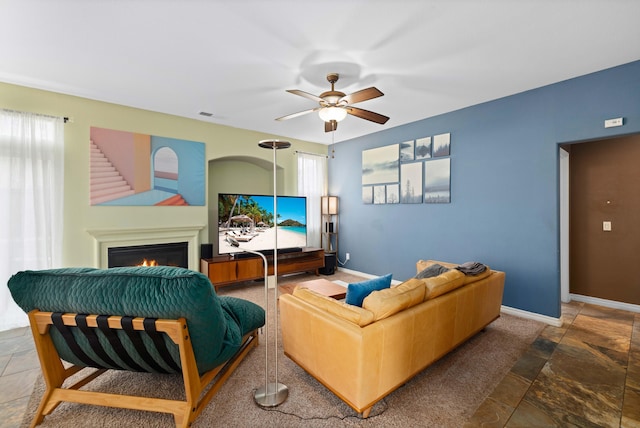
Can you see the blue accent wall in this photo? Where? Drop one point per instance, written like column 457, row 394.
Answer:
column 504, row 208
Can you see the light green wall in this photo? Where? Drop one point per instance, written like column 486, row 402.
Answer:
column 221, row 142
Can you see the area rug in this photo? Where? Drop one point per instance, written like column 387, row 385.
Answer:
column 445, row 394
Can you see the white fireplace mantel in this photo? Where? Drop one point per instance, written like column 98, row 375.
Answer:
column 108, row 238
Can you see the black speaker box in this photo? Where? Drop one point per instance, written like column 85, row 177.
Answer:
column 330, row 261
column 206, row 251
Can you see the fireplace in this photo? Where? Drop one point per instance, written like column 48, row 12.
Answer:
column 105, row 239
column 171, row 254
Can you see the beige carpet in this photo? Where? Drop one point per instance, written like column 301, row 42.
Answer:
column 446, row 394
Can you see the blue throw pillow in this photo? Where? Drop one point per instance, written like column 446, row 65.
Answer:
column 357, row 292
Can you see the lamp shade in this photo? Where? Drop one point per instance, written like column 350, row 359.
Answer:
column 328, row 114
column 329, row 205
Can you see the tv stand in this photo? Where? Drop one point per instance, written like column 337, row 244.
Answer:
column 226, row 270
column 243, row 256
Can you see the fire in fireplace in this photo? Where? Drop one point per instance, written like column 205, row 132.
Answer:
column 171, row 254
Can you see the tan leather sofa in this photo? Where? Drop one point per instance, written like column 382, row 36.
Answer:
column 363, row 354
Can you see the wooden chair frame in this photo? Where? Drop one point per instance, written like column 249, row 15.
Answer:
column 184, row 411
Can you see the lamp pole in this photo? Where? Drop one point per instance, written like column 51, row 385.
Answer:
column 274, row 393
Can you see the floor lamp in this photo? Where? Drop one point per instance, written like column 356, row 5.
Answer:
column 274, row 393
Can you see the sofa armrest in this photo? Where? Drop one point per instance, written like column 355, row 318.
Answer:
column 363, row 364
column 346, row 370
column 351, row 313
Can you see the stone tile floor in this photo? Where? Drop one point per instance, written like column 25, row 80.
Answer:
column 585, row 373
column 19, row 368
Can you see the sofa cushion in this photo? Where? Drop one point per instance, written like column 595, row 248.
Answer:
column 343, row 310
column 423, row 264
column 472, row 268
column 384, row 303
column 432, row 270
column 356, row 292
column 443, row 283
column 473, row 278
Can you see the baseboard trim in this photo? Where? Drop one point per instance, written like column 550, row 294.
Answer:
column 604, row 302
column 356, row 272
column 365, row 275
column 556, row 322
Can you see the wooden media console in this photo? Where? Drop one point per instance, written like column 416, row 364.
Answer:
column 226, row 270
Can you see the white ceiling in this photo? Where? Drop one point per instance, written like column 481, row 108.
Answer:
column 235, row 59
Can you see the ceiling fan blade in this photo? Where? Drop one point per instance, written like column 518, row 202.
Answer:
column 300, row 113
column 363, row 95
column 305, row 94
column 330, row 126
column 366, row 114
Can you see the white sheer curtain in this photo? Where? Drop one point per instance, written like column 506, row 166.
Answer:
column 312, row 183
column 31, row 188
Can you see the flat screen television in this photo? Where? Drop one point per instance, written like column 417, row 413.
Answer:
column 249, row 220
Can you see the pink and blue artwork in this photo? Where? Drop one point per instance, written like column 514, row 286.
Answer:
column 132, row 169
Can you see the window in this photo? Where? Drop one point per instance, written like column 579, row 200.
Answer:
column 312, row 183
column 31, row 188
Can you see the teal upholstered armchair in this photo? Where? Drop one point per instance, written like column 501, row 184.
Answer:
column 157, row 319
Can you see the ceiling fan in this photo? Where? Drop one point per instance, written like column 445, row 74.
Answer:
column 335, row 105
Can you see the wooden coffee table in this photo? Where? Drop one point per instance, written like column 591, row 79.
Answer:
column 322, row 286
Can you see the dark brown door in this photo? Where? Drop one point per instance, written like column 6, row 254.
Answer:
column 604, row 186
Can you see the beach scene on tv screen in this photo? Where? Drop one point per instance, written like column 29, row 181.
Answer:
column 249, row 220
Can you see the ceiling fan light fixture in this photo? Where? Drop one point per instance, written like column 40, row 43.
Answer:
column 335, row 105
column 327, row 114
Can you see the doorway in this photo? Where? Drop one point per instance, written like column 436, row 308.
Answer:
column 598, row 191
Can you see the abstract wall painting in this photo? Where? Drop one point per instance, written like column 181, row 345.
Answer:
column 132, row 169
